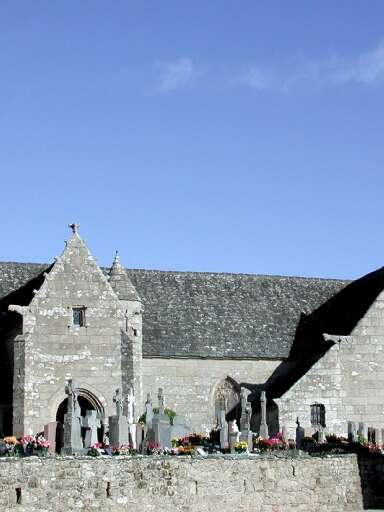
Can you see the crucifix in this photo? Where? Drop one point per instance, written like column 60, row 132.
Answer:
column 160, row 397
column 117, row 399
column 73, row 404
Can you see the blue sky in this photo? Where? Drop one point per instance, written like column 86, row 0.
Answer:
column 237, row 136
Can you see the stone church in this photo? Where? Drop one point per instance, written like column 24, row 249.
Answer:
column 316, row 346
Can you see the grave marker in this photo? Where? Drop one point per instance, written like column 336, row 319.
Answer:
column 91, row 423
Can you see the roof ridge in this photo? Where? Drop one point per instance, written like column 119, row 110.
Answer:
column 198, row 272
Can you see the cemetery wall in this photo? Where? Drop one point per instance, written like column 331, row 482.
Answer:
column 275, row 484
column 189, row 384
column 348, row 380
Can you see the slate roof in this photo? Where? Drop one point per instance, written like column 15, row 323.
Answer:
column 210, row 315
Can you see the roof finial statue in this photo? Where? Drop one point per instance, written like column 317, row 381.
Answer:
column 74, row 227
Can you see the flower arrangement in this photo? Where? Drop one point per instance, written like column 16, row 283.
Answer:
column 10, row 440
column 274, row 443
column 183, row 450
column 154, row 448
column 241, row 447
column 195, row 439
column 12, row 447
column 125, row 449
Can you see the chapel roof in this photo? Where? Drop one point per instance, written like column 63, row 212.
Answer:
column 207, row 315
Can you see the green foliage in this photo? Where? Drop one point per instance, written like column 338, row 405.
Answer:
column 171, row 414
column 93, row 452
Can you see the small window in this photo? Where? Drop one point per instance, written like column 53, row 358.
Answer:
column 135, row 332
column 79, row 317
column 318, row 415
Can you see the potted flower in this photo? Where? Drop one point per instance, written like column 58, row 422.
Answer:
column 28, row 444
column 13, row 446
column 41, row 446
column 241, row 447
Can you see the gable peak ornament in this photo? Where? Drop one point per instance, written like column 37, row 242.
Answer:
column 74, row 227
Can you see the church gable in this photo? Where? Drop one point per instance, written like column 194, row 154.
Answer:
column 75, row 291
column 72, row 328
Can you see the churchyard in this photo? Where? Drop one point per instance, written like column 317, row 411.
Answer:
column 271, row 473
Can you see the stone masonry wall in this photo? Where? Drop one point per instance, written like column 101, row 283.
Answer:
column 189, row 384
column 52, row 349
column 305, row 484
column 348, row 380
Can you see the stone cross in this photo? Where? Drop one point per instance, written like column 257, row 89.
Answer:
column 72, row 396
column 117, row 400
column 72, row 430
column 299, row 434
column 130, row 404
column 160, row 397
column 90, row 422
column 148, row 411
column 263, row 423
column 74, row 227
column 224, row 437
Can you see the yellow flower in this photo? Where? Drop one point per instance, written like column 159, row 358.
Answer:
column 10, row 440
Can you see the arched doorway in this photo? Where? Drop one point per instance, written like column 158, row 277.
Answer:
column 87, row 402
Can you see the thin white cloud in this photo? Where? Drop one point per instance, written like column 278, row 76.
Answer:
column 253, row 78
column 365, row 69
column 283, row 76
column 177, row 74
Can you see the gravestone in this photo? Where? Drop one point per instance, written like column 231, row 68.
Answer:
column 224, row 435
column 132, row 427
column 72, row 427
column 179, row 427
column 245, row 421
column 130, row 406
column 148, row 434
column 362, row 430
column 352, row 432
column 234, row 435
column 371, row 435
column 321, row 435
column 263, row 424
column 50, row 433
column 148, row 412
column 300, row 433
column 91, row 423
column 161, row 425
column 140, row 436
column 118, row 425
